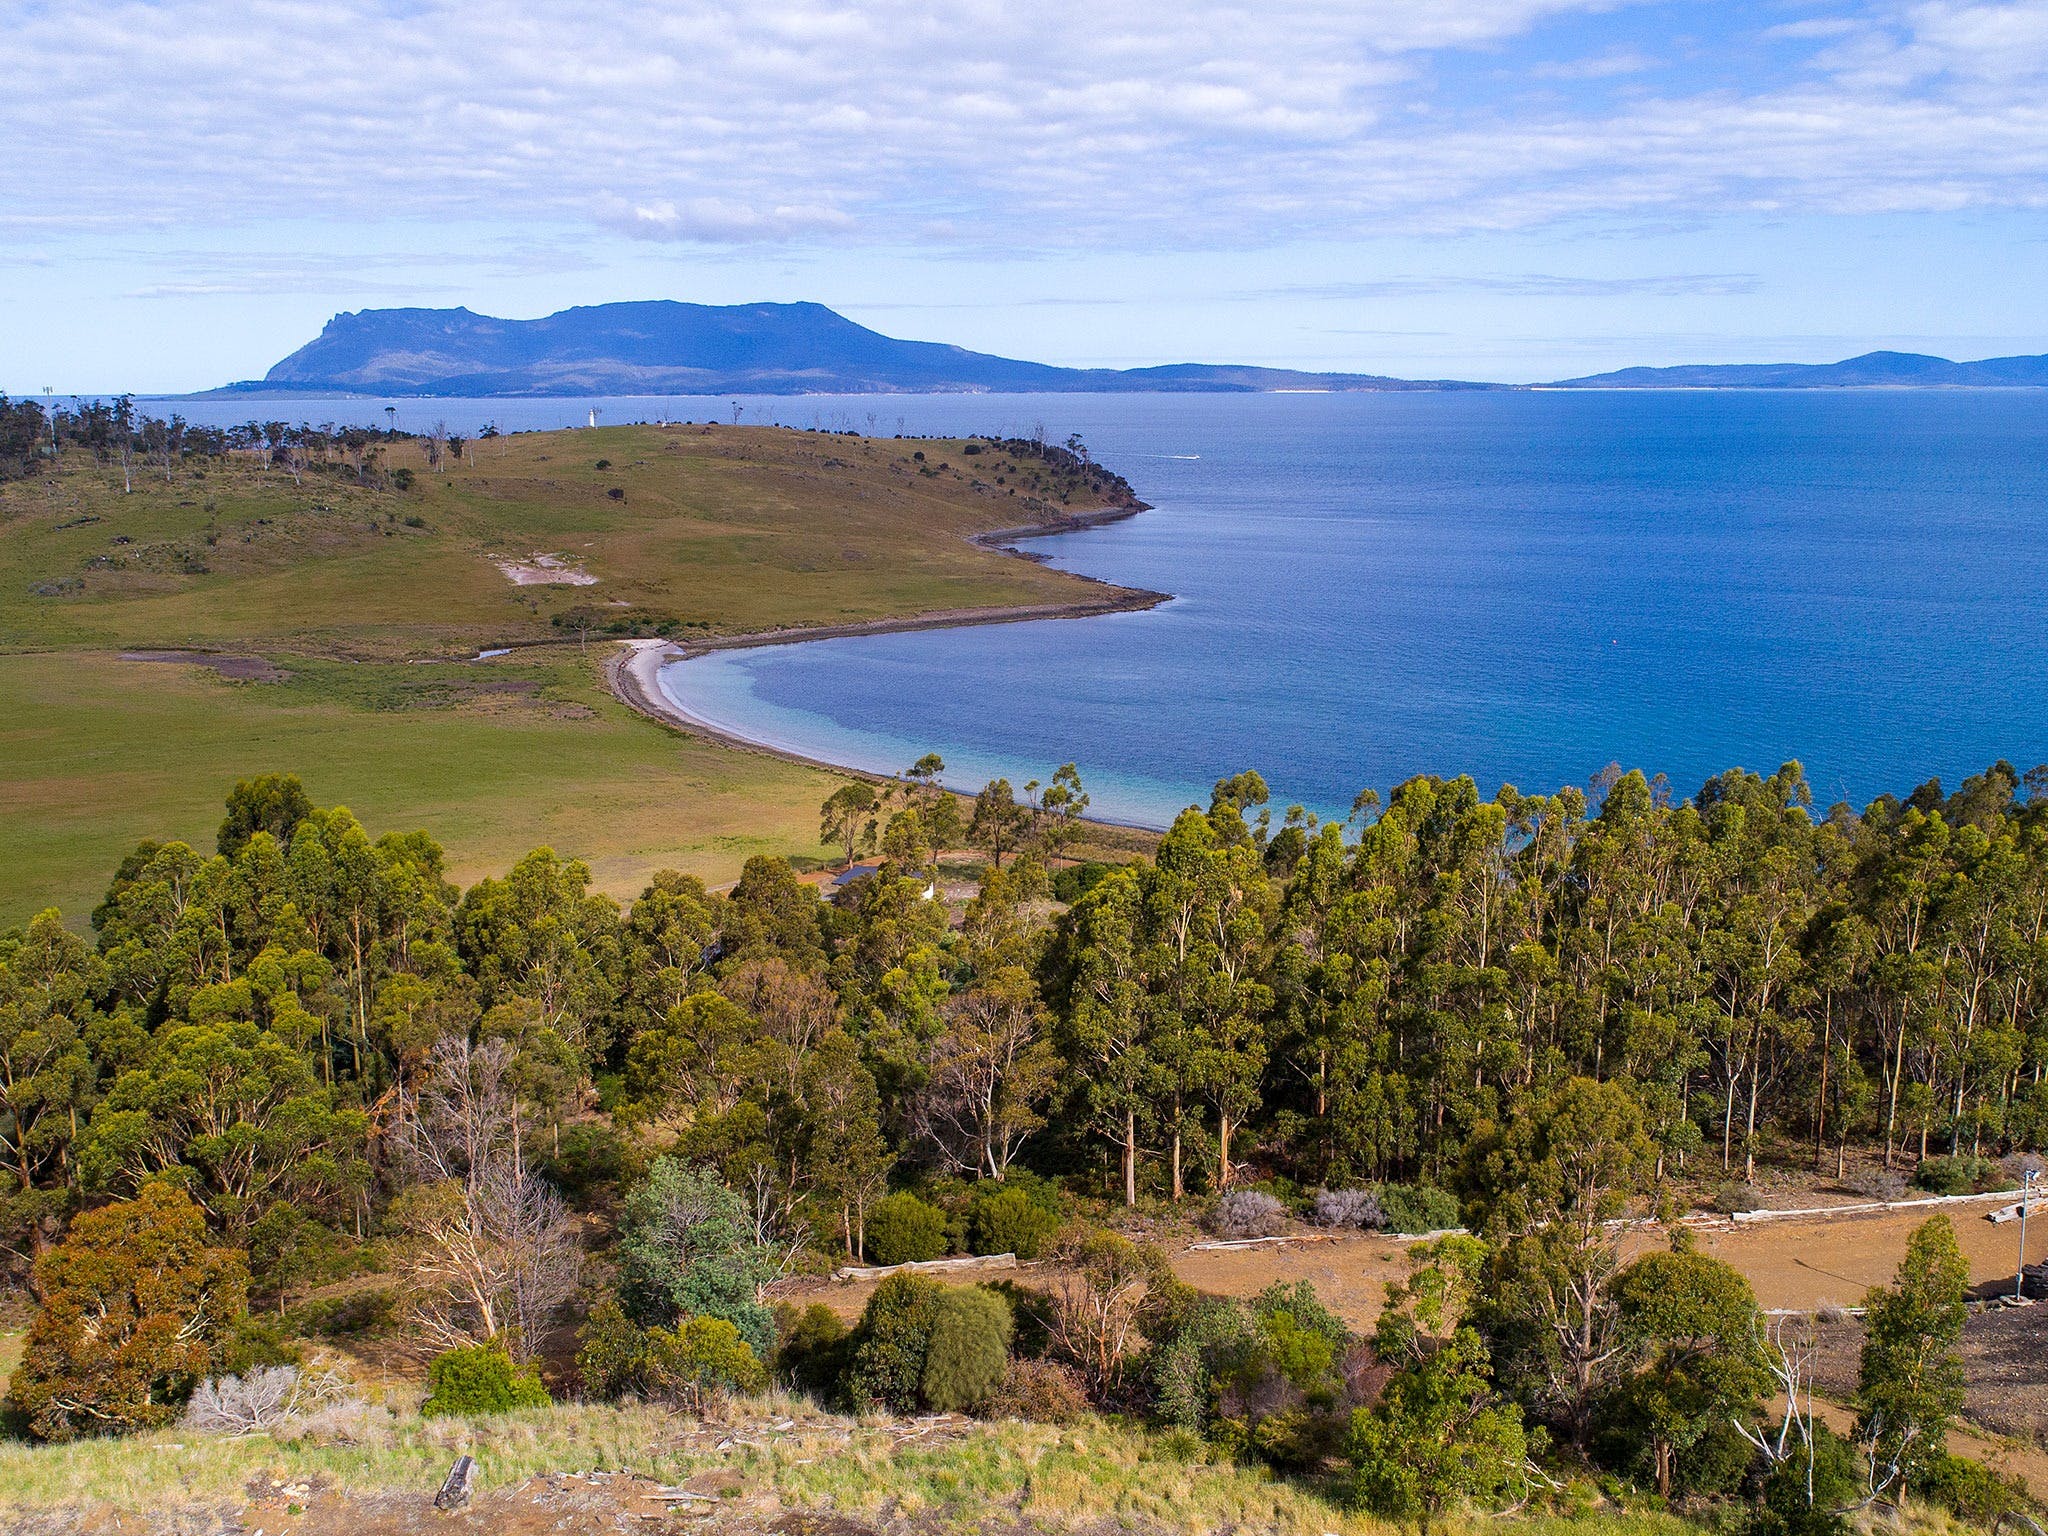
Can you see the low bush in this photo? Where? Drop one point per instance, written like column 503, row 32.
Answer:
column 1417, row 1208
column 687, row 1249
column 1879, row 1183
column 481, row 1378
column 1963, row 1175
column 700, row 1357
column 968, row 1351
column 811, row 1355
column 1974, row 1492
column 1349, row 1208
column 1183, row 1361
column 262, row 1399
column 1010, row 1221
column 258, row 1341
column 1733, row 1197
column 611, row 1352
column 1800, row 1496
column 886, row 1351
column 1040, row 1392
column 902, row 1229
column 1249, row 1213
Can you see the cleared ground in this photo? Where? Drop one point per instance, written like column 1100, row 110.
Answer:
column 1793, row 1263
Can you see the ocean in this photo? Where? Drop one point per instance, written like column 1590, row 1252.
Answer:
column 1523, row 587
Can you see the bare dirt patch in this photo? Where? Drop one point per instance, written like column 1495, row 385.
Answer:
column 1819, row 1261
column 545, row 571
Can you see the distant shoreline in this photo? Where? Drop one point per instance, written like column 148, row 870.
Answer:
column 634, row 671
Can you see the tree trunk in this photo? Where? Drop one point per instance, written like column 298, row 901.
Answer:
column 1130, row 1157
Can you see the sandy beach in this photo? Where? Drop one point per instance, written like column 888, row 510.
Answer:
column 633, row 673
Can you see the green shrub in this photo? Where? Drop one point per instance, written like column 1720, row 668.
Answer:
column 1077, row 880
column 257, row 1341
column 611, row 1352
column 1801, row 1499
column 968, row 1351
column 903, row 1229
column 1417, row 1208
column 1010, row 1221
column 699, row 1356
column 886, row 1351
column 1182, row 1365
column 1974, row 1492
column 345, row 1317
column 811, row 1356
column 687, row 1249
column 1957, row 1175
column 481, row 1378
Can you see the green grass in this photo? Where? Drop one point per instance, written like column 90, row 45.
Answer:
column 1062, row 1477
column 107, row 752
column 1094, row 1475
column 722, row 531
column 733, row 530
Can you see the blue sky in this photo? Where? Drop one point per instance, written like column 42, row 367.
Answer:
column 1509, row 189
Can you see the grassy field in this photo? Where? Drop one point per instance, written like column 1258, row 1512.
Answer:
column 760, row 1464
column 367, row 601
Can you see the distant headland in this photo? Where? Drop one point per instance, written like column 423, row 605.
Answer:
column 662, row 347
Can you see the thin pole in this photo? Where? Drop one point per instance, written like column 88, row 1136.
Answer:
column 2019, row 1283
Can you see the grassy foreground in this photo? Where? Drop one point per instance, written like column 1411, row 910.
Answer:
column 368, row 602
column 966, row 1477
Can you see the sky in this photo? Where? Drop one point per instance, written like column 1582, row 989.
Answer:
column 1493, row 189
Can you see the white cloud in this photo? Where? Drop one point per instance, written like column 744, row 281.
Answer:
column 716, row 220
column 975, row 122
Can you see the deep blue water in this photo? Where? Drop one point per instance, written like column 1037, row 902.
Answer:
column 1523, row 587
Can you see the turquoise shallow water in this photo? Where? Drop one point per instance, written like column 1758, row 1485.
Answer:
column 1523, row 587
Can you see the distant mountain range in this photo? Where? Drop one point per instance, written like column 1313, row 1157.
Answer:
column 666, row 348
column 1873, row 370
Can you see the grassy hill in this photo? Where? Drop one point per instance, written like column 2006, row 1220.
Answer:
column 341, row 618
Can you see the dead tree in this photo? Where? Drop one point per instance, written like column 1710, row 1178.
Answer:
column 492, row 1251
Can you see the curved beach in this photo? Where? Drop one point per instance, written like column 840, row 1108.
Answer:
column 634, row 672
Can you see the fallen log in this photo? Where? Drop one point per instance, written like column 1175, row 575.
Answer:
column 1233, row 1244
column 455, row 1489
column 1867, row 1207
column 925, row 1267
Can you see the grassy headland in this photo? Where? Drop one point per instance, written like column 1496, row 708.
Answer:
column 365, row 601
